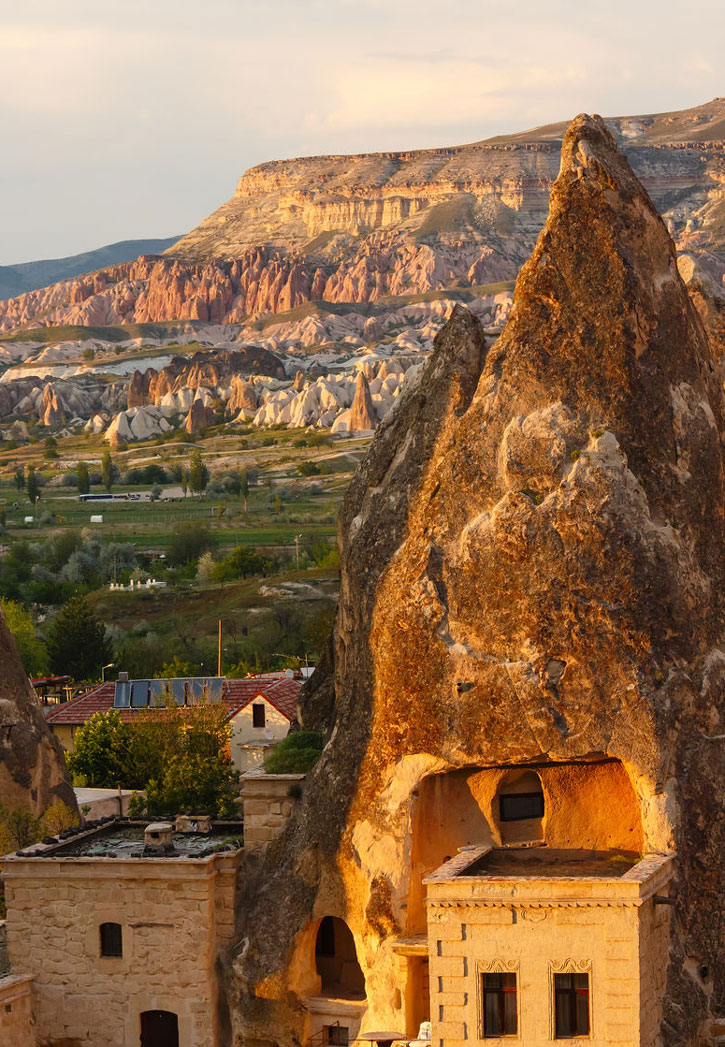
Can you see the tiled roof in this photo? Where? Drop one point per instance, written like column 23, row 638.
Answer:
column 281, row 692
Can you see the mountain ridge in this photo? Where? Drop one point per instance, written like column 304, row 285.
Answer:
column 18, row 278
column 359, row 228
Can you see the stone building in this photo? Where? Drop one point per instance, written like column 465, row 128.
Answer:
column 114, row 943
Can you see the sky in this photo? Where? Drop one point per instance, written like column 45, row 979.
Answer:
column 135, row 118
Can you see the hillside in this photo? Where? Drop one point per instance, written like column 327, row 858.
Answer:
column 28, row 276
column 359, row 228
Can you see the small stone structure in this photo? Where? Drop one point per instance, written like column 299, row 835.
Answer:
column 109, row 939
column 538, row 914
column 16, row 1020
column 269, row 800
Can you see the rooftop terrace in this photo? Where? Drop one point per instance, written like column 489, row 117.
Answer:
column 122, row 838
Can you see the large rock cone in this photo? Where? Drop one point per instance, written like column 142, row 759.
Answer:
column 362, row 411
column 32, row 768
column 531, row 571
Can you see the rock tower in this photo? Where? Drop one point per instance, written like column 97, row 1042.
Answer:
column 32, row 769
column 532, row 585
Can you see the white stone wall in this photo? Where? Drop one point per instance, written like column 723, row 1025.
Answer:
column 248, row 743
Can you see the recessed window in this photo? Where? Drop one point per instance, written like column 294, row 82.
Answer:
column 571, row 1005
column 517, row 807
column 337, row 1035
column 258, row 715
column 111, row 939
column 500, row 1016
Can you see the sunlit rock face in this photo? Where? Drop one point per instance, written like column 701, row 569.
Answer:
column 32, row 768
column 532, row 571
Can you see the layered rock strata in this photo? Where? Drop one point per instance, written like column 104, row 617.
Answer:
column 357, row 228
column 532, row 572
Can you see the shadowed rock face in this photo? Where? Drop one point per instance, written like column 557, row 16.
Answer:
column 32, row 768
column 532, row 570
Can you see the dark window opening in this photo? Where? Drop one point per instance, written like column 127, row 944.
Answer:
column 325, row 944
column 337, row 1035
column 499, row 1005
column 571, row 1005
column 111, row 939
column 258, row 716
column 517, row 807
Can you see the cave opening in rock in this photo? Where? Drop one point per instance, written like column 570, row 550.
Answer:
column 336, row 960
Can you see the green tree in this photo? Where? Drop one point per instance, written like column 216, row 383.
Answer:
column 187, row 542
column 198, row 473
column 51, row 448
column 30, row 646
column 89, row 353
column 19, row 477
column 176, row 668
column 83, row 478
column 107, row 470
column 242, row 562
column 296, row 754
column 277, row 504
column 244, row 486
column 101, row 756
column 32, row 485
column 77, row 642
column 183, row 755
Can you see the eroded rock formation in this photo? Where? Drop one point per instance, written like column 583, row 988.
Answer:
column 532, row 570
column 362, row 412
column 32, row 768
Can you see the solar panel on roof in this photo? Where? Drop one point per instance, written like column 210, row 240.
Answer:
column 195, row 689
column 122, row 695
column 178, row 691
column 214, row 686
column 139, row 694
column 158, row 690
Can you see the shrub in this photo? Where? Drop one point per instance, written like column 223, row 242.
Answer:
column 296, row 754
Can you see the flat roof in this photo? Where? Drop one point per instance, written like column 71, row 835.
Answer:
column 121, row 838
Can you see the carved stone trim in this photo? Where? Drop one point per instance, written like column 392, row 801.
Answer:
column 497, row 965
column 569, row 966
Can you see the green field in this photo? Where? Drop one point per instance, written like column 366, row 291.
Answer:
column 289, row 520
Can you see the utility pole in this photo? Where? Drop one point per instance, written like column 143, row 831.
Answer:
column 297, row 550
column 219, row 663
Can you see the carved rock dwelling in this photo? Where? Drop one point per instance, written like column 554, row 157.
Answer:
column 514, row 830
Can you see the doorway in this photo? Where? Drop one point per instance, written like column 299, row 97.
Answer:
column 159, row 1029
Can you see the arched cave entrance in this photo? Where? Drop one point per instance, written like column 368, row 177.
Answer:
column 336, row 960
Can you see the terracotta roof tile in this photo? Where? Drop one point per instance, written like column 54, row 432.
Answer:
column 282, row 692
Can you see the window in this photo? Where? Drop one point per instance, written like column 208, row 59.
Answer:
column 517, row 807
column 337, row 1035
column 499, row 1005
column 258, row 716
column 571, row 1005
column 111, row 939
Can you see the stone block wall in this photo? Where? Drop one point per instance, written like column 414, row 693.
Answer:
column 16, row 1015
column 613, row 932
column 176, row 917
column 268, row 801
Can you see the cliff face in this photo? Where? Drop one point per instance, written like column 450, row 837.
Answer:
column 532, row 570
column 355, row 228
column 32, row 768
